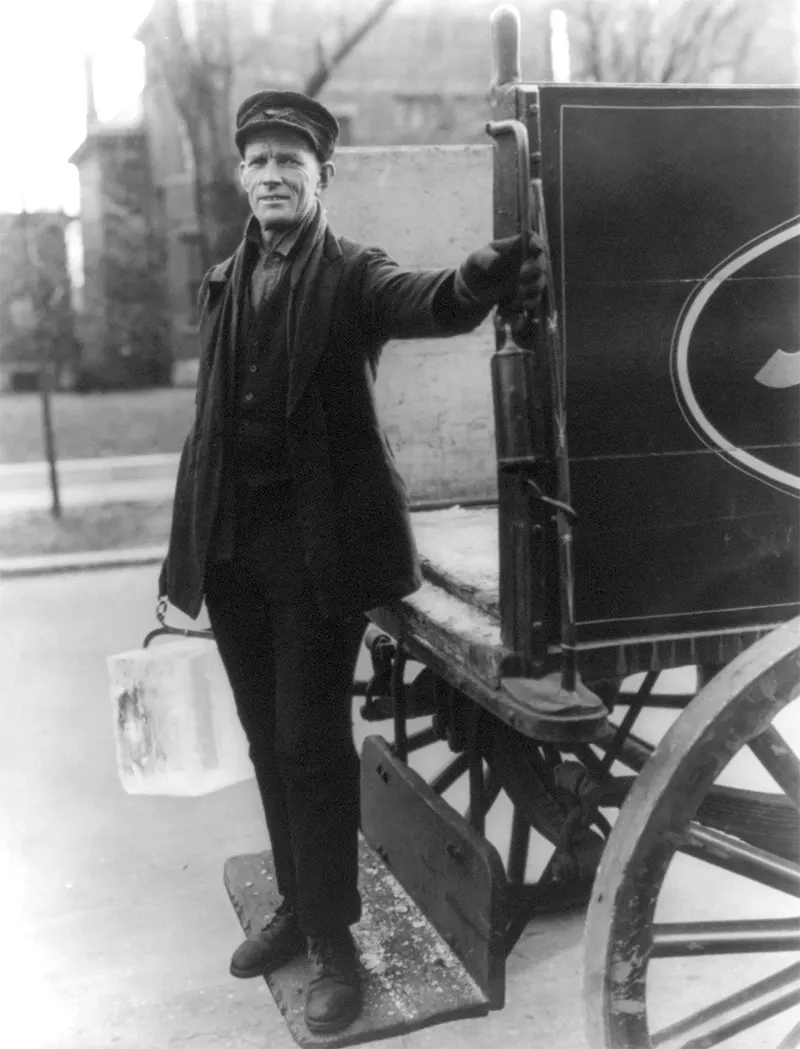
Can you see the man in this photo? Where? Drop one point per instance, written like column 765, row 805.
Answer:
column 290, row 517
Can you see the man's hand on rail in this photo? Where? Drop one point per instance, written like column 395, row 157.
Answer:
column 496, row 273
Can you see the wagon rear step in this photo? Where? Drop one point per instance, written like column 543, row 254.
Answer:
column 434, row 958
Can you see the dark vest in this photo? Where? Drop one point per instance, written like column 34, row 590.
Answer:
column 255, row 463
column 256, row 442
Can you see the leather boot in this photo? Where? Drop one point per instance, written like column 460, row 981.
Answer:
column 277, row 943
column 333, row 1000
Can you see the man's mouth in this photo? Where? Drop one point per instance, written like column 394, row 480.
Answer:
column 273, row 200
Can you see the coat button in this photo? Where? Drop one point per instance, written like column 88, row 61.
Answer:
column 253, row 368
column 248, row 396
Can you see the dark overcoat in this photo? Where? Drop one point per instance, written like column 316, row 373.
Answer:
column 352, row 502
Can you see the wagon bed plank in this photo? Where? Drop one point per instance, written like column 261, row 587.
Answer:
column 459, row 552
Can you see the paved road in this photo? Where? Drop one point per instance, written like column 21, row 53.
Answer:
column 83, row 482
column 116, row 928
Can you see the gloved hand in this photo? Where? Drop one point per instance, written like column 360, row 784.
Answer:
column 493, row 274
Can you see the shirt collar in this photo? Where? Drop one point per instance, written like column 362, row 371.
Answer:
column 286, row 244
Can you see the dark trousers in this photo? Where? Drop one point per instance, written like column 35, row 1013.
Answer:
column 291, row 671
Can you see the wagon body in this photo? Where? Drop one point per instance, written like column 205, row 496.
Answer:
column 674, row 222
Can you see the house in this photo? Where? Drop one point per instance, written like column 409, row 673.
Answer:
column 123, row 326
column 37, row 321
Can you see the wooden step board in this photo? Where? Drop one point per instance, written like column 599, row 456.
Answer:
column 411, row 978
column 453, row 873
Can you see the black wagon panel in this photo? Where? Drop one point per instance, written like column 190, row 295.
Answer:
column 674, row 219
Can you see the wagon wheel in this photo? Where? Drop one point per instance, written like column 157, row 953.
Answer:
column 625, row 947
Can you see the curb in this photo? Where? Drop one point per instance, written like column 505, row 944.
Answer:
column 83, row 561
column 40, row 468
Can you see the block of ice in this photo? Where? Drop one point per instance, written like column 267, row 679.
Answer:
column 175, row 722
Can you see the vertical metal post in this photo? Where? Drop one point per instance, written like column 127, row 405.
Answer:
column 519, row 383
column 45, row 365
column 518, row 848
column 45, row 387
column 477, row 804
column 399, row 703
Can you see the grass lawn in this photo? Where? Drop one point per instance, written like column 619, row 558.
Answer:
column 136, row 422
column 111, row 526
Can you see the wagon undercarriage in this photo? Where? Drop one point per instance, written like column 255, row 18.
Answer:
column 565, row 795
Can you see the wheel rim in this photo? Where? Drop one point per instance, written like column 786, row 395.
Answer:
column 736, row 707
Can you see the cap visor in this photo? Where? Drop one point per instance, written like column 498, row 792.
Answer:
column 244, row 134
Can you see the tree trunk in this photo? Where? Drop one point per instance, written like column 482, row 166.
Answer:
column 220, row 205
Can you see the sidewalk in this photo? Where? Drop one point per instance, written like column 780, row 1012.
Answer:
column 83, row 482
column 80, row 561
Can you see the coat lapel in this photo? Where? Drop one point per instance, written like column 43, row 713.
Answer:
column 219, row 322
column 310, row 309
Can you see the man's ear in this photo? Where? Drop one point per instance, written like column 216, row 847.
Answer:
column 241, row 174
column 326, row 174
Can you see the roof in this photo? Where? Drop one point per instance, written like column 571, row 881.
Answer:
column 106, row 131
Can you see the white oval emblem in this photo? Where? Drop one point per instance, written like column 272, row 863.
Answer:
column 779, row 371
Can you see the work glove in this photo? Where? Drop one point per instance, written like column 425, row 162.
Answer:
column 494, row 274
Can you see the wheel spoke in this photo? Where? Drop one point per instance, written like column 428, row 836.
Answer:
column 691, row 939
column 766, row 821
column 783, row 986
column 792, row 1039
column 424, row 738
column 481, row 801
column 779, row 760
column 659, row 700
column 449, row 774
column 634, row 752
column 518, row 847
column 723, row 850
column 632, row 713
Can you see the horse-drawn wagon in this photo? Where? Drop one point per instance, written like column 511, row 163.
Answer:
column 644, row 523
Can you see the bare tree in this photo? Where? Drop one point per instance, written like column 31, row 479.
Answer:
column 661, row 41
column 190, row 46
column 349, row 40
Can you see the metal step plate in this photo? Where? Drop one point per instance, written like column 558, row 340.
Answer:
column 411, row 978
column 453, row 873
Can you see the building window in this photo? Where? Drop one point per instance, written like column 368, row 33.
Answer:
column 186, row 151
column 418, row 112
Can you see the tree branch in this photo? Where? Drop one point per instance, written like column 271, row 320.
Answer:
column 594, row 41
column 322, row 74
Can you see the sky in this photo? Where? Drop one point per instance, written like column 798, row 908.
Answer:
column 42, row 92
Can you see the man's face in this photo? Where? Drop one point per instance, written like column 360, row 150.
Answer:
column 282, row 175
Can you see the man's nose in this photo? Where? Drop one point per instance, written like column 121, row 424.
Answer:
column 271, row 172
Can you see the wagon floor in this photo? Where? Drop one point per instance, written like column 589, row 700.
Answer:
column 459, row 551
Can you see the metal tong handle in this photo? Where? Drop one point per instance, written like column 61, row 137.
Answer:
column 496, row 129
column 161, row 615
